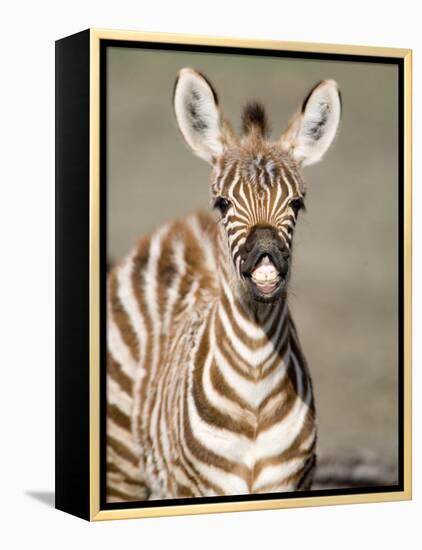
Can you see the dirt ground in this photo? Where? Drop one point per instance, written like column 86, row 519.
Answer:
column 344, row 283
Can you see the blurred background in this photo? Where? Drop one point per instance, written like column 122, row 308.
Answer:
column 344, row 285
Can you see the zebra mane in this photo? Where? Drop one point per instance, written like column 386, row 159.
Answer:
column 255, row 118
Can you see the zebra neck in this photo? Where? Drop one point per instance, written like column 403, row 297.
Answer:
column 251, row 334
column 255, row 338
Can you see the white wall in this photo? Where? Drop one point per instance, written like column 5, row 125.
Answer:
column 26, row 293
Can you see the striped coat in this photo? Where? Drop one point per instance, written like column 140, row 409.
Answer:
column 202, row 400
column 208, row 391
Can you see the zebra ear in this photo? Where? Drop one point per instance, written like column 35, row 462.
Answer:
column 197, row 113
column 312, row 131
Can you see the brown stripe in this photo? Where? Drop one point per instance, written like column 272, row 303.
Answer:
column 232, row 357
column 273, row 487
column 119, row 417
column 235, row 360
column 278, row 391
column 140, row 263
column 183, row 491
column 115, row 371
column 122, row 450
column 305, row 481
column 251, row 206
column 120, row 316
column 113, row 468
column 167, row 271
column 195, row 271
column 300, row 476
column 293, row 451
column 279, row 413
column 272, row 461
column 207, row 278
column 223, row 388
column 196, row 478
column 251, row 343
column 112, row 492
column 122, row 478
column 278, row 356
column 207, row 456
column 238, row 238
column 158, row 437
column 205, row 409
column 227, row 175
column 292, row 180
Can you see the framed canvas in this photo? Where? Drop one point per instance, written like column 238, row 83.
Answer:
column 204, row 363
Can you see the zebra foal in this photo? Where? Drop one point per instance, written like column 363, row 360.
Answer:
column 208, row 390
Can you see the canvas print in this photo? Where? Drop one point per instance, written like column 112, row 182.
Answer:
column 252, row 275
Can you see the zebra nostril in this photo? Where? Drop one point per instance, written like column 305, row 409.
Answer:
column 246, row 249
column 243, row 253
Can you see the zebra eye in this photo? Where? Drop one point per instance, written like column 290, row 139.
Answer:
column 297, row 204
column 222, row 204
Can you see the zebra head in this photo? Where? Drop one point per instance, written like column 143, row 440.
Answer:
column 257, row 185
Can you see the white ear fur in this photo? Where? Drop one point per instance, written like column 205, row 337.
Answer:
column 197, row 114
column 312, row 131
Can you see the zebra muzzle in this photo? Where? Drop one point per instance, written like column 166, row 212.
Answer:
column 265, row 275
column 265, row 264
